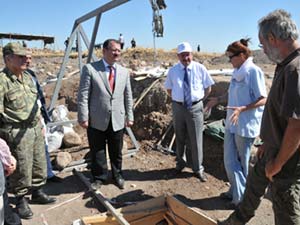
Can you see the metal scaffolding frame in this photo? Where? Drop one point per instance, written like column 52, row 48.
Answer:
column 79, row 33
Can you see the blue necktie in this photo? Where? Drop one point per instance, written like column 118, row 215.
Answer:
column 187, row 90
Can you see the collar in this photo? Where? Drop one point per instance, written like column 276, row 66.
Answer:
column 240, row 73
column 288, row 59
column 107, row 65
column 10, row 75
column 189, row 67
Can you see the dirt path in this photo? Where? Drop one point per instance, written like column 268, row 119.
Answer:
column 148, row 174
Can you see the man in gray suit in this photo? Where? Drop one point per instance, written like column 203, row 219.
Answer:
column 104, row 108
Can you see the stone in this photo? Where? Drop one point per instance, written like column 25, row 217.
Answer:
column 62, row 160
column 71, row 139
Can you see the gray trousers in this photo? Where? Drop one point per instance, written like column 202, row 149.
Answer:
column 188, row 125
column 285, row 196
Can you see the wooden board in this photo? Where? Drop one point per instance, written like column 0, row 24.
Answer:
column 151, row 212
column 186, row 214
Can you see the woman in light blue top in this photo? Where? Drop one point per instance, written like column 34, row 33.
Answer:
column 246, row 97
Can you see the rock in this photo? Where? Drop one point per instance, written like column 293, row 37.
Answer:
column 62, row 160
column 71, row 139
column 49, row 74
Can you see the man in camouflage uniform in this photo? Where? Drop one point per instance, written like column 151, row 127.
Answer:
column 21, row 128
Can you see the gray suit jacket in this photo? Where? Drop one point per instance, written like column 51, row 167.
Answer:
column 97, row 104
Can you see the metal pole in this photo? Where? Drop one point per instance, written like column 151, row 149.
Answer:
column 154, row 48
column 105, row 202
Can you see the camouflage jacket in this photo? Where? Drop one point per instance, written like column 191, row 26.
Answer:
column 18, row 99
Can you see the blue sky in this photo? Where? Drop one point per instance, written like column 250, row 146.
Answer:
column 211, row 23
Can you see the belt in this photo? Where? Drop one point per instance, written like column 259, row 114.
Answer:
column 193, row 103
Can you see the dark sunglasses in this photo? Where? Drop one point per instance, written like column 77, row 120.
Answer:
column 234, row 55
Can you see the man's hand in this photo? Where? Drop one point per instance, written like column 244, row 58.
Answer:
column 289, row 145
column 260, row 151
column 129, row 123
column 212, row 101
column 11, row 168
column 84, row 124
column 272, row 168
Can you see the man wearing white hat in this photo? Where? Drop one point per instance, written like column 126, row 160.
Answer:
column 188, row 83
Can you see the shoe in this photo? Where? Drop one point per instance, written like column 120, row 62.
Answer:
column 231, row 220
column 179, row 168
column 230, row 205
column 202, row 177
column 23, row 208
column 40, row 197
column 96, row 185
column 223, row 222
column 55, row 179
column 226, row 196
column 120, row 182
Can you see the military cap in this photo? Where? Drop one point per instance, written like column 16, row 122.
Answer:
column 14, row 48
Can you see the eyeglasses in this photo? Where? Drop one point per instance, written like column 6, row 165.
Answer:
column 234, row 55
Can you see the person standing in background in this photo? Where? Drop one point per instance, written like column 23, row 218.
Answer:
column 44, row 120
column 133, row 43
column 122, row 41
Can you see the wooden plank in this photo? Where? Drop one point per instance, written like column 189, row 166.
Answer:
column 100, row 219
column 151, row 219
column 187, row 214
column 137, row 219
column 130, row 213
column 133, row 216
column 145, row 93
column 100, row 197
column 145, row 206
column 153, row 211
column 170, row 219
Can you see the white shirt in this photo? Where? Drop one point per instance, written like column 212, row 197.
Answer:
column 198, row 76
column 107, row 69
column 121, row 39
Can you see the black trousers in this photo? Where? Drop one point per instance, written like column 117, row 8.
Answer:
column 97, row 141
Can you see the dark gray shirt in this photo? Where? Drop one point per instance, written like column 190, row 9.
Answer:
column 283, row 103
